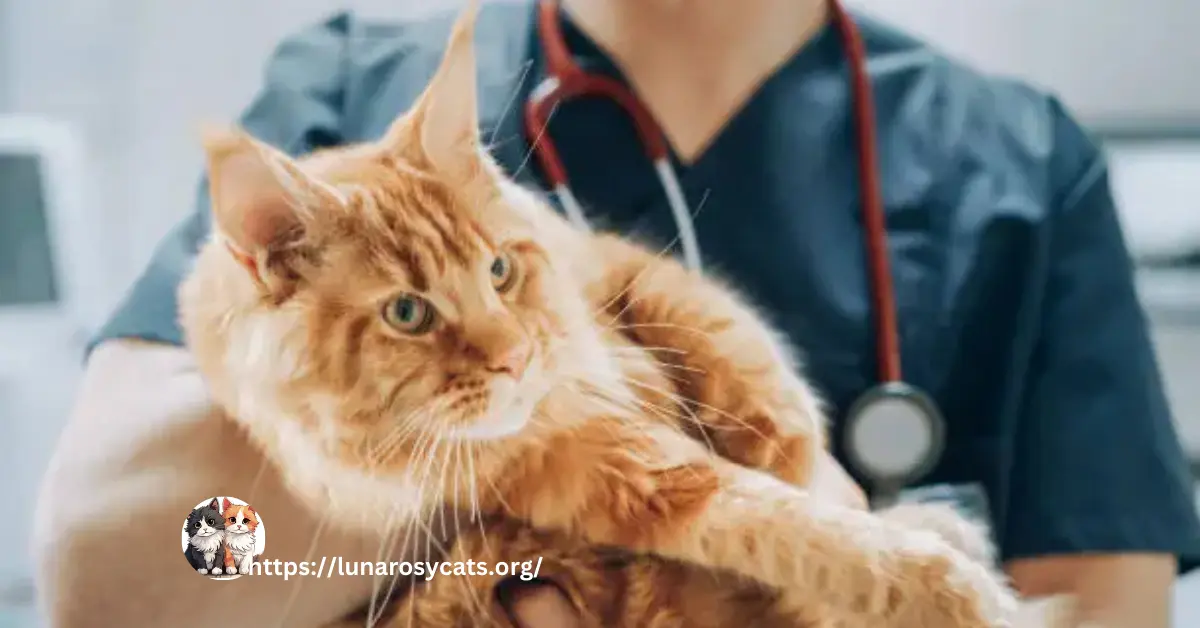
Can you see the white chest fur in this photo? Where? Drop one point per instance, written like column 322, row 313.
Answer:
column 240, row 543
column 257, row 361
column 207, row 544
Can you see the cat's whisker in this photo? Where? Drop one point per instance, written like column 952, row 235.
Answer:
column 647, row 268
column 684, row 413
column 634, row 404
column 529, row 153
column 427, row 440
column 699, row 404
column 403, row 428
column 499, row 495
column 512, row 100
column 440, row 495
column 456, row 490
column 636, row 426
column 709, row 426
column 386, row 446
column 308, row 556
column 685, row 328
column 595, row 394
column 476, row 509
column 420, row 521
column 632, row 283
column 392, row 536
column 643, row 348
column 391, row 532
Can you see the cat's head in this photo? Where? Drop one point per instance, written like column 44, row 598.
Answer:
column 205, row 520
column 387, row 292
column 239, row 518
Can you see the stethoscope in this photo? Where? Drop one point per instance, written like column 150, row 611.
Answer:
column 893, row 434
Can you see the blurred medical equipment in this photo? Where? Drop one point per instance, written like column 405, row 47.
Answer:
column 49, row 268
column 50, row 239
column 1155, row 182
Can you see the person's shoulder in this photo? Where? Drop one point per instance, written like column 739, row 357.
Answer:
column 387, row 60
column 964, row 116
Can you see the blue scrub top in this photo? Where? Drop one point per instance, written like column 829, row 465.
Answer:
column 1014, row 286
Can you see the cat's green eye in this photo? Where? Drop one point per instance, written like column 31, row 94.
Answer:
column 409, row 313
column 503, row 272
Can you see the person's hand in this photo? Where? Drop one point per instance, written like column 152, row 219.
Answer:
column 539, row 605
column 543, row 605
column 143, row 446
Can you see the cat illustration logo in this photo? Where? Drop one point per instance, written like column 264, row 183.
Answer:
column 223, row 537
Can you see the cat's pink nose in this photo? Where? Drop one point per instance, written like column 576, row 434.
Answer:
column 511, row 361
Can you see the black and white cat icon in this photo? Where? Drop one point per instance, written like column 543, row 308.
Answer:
column 204, row 538
column 223, row 537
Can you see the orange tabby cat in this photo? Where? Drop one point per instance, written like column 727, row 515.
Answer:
column 401, row 328
column 241, row 526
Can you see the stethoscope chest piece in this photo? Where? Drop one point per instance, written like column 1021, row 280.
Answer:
column 893, row 436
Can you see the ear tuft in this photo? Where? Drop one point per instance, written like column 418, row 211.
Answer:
column 445, row 117
column 262, row 200
column 251, row 187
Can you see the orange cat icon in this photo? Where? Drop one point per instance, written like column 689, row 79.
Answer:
column 241, row 523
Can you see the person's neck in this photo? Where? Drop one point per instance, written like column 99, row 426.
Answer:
column 698, row 36
column 694, row 62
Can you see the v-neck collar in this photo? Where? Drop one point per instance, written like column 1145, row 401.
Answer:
column 502, row 115
column 504, row 95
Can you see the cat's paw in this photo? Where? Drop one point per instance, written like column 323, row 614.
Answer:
column 216, row 571
column 963, row 534
column 202, row 571
column 942, row 587
column 244, row 570
column 775, row 433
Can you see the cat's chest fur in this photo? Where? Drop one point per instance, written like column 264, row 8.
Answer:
column 317, row 476
column 207, row 544
column 242, row 543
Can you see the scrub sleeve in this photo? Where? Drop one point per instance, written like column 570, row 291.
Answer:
column 298, row 110
column 1096, row 465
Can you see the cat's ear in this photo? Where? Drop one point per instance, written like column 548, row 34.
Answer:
column 261, row 199
column 226, row 504
column 444, row 122
column 214, row 504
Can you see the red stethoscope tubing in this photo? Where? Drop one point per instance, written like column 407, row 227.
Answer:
column 567, row 80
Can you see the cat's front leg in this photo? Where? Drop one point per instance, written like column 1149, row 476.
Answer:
column 653, row 490
column 245, row 562
column 209, row 559
column 229, row 560
column 736, row 377
column 214, row 569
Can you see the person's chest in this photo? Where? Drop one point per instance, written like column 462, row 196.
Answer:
column 775, row 201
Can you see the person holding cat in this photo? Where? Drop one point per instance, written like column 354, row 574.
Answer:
column 1013, row 285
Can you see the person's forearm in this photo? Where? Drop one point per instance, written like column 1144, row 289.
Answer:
column 1110, row 590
